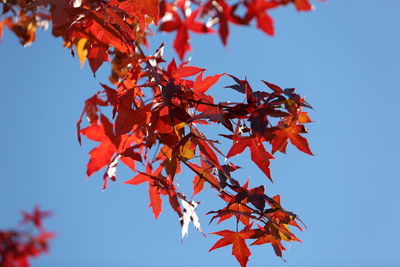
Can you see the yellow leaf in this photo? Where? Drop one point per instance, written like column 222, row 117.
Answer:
column 179, row 126
column 188, row 150
column 179, row 129
column 284, row 232
column 81, row 50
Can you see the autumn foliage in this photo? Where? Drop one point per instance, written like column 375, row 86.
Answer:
column 154, row 115
column 29, row 240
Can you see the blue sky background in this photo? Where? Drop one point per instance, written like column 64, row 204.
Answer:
column 344, row 57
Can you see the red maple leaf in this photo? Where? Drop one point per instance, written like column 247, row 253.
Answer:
column 292, row 133
column 181, row 41
column 237, row 240
column 259, row 155
column 140, row 9
column 154, row 192
column 102, row 154
column 35, row 217
column 258, row 9
column 97, row 55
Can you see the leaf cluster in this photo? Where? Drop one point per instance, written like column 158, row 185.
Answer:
column 18, row 245
column 157, row 107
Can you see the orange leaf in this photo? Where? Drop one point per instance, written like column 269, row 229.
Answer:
column 293, row 134
column 81, row 50
column 304, row 118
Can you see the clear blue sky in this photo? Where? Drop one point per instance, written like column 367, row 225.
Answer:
column 344, row 56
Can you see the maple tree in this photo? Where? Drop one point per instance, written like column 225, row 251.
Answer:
column 29, row 240
column 159, row 111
